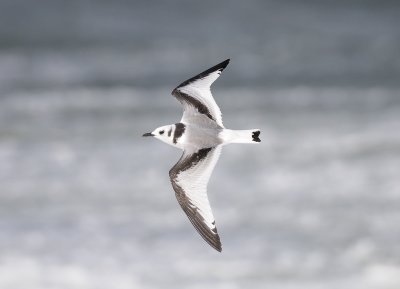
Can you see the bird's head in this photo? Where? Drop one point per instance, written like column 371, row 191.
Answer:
column 163, row 133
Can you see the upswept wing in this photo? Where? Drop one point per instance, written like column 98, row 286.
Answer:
column 189, row 178
column 195, row 94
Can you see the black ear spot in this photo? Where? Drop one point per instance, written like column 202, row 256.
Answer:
column 161, row 132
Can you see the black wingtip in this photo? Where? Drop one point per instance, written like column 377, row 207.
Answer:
column 215, row 244
column 256, row 136
column 223, row 64
column 216, row 241
column 220, row 66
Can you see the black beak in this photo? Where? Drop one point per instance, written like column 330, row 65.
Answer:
column 148, row 134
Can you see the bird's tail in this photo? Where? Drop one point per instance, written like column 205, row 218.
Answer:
column 241, row 136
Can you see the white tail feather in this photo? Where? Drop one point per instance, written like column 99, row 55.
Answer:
column 240, row 136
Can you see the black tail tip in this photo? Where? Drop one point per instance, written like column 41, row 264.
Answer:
column 256, row 136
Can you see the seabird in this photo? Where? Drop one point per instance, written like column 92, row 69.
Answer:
column 201, row 135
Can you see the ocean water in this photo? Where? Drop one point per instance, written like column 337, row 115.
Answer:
column 86, row 202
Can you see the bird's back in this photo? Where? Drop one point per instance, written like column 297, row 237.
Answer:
column 199, row 137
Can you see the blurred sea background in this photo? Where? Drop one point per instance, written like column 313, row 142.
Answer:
column 86, row 202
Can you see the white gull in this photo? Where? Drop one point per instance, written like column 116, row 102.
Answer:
column 201, row 135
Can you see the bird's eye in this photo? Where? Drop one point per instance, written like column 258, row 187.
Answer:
column 161, row 132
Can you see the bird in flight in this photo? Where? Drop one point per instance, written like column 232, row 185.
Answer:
column 201, row 135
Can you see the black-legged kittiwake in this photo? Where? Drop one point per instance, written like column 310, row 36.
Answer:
column 201, row 135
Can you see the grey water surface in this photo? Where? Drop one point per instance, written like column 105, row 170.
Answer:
column 85, row 201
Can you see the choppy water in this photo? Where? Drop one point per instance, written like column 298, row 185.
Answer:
column 85, row 201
